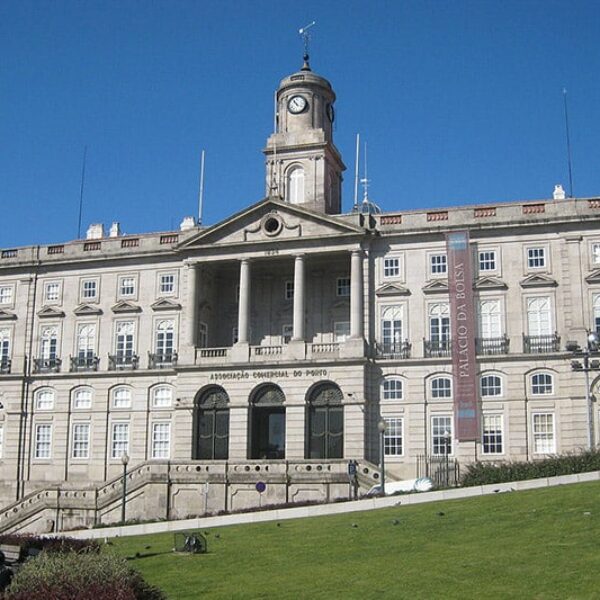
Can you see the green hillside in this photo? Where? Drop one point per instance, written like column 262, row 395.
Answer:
column 536, row 544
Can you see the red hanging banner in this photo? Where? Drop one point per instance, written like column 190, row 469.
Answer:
column 462, row 328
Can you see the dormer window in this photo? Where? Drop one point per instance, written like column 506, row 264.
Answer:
column 295, row 185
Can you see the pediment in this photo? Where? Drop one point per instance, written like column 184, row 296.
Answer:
column 6, row 315
column 490, row 283
column 434, row 287
column 165, row 304
column 392, row 289
column 50, row 311
column 125, row 307
column 593, row 277
column 87, row 310
column 271, row 221
column 538, row 281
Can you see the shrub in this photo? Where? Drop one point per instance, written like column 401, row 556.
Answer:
column 481, row 473
column 75, row 576
column 50, row 544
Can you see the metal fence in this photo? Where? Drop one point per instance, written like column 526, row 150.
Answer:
column 442, row 470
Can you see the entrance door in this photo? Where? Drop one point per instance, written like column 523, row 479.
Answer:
column 267, row 423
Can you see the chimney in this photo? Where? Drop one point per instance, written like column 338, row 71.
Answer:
column 95, row 232
column 115, row 230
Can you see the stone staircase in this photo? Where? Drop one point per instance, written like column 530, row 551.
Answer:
column 164, row 490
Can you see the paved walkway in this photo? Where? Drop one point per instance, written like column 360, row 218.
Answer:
column 328, row 509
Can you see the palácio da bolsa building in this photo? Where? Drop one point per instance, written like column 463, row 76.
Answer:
column 268, row 347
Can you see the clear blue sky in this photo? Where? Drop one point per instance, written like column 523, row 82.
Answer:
column 460, row 102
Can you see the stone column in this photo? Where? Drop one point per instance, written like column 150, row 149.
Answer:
column 299, row 299
column 192, row 299
column 356, row 295
column 244, row 303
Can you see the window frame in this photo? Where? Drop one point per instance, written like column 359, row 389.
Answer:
column 121, row 279
column 153, row 441
column 74, row 400
column 154, row 394
column 537, row 253
column 58, row 299
column 11, row 300
column 85, row 444
column 495, row 441
column 85, row 299
column 439, row 270
column 392, row 389
column 343, row 286
column 159, row 284
column 436, row 444
column 393, row 436
column 392, row 271
column 37, row 455
column 288, row 289
column 487, row 260
column 533, row 385
column 537, row 437
column 113, row 441
column 499, row 387
column 115, row 403
column 437, row 393
column 48, row 405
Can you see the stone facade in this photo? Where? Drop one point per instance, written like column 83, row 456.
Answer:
column 266, row 348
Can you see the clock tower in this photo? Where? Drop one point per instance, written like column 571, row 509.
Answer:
column 303, row 165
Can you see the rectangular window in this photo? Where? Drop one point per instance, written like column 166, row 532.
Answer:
column 4, row 347
column 392, row 437
column 487, row 260
column 43, row 441
column 161, row 440
column 202, row 335
column 89, row 289
column 543, row 433
column 6, row 294
column 342, row 286
column 596, row 254
column 341, row 331
column 125, row 340
column 120, row 440
column 536, row 258
column 391, row 267
column 441, row 436
column 287, row 331
column 127, row 287
column 492, row 434
column 52, row 291
column 289, row 290
column 438, row 264
column 490, row 322
column 81, row 440
column 166, row 284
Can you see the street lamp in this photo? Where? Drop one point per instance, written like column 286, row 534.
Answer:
column 125, row 461
column 588, row 365
column 447, row 440
column 381, row 426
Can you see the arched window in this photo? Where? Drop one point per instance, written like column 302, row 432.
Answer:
column 539, row 316
column 267, row 422
column 121, row 397
column 491, row 385
column 295, row 185
column 82, row 398
column 162, row 396
column 489, row 319
column 391, row 388
column 44, row 399
column 325, row 422
column 542, row 384
column 441, row 387
column 439, row 330
column 597, row 312
column 164, row 339
column 211, row 425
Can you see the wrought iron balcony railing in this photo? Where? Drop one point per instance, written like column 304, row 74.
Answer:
column 437, row 348
column 162, row 361
column 494, row 345
column 85, row 363
column 394, row 349
column 541, row 344
column 117, row 362
column 46, row 365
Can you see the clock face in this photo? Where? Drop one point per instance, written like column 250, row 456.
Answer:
column 297, row 104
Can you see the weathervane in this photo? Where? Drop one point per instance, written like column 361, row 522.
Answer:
column 303, row 31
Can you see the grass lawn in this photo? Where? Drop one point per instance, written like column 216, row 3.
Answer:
column 535, row 544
